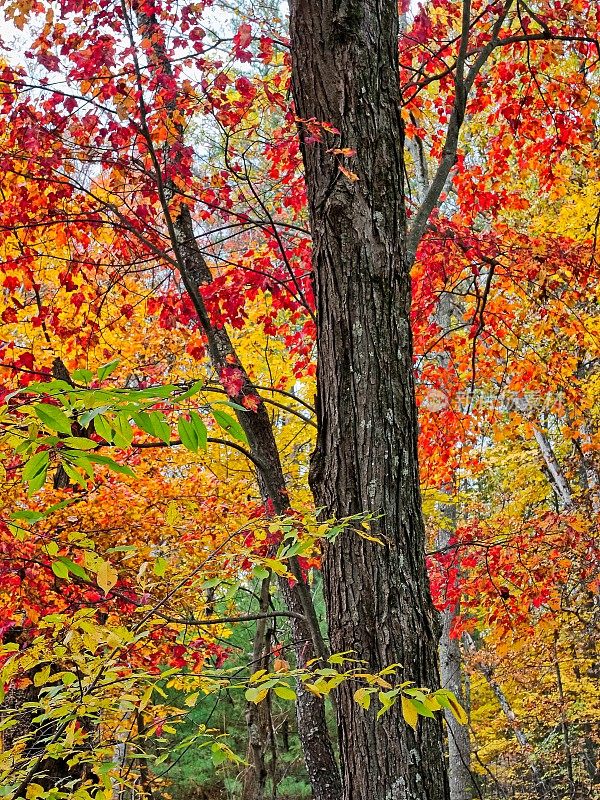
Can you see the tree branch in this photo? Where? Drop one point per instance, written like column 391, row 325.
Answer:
column 225, row 620
column 463, row 85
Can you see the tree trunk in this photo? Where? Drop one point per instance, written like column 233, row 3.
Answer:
column 257, row 714
column 345, row 73
column 312, row 725
column 460, row 779
column 488, row 673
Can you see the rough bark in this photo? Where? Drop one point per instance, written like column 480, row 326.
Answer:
column 345, row 73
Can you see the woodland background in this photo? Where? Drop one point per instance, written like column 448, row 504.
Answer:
column 131, row 512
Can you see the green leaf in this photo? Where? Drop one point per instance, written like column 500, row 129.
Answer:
column 103, row 428
column 59, row 506
column 162, row 430
column 82, row 461
column 447, row 699
column 80, row 443
column 422, row 708
column 28, row 516
column 187, row 434
column 35, row 470
column 123, row 435
column 285, row 692
column 211, row 583
column 144, row 422
column 154, row 423
column 218, row 755
column 107, row 369
column 260, row 573
column 53, row 418
column 82, row 375
column 387, row 700
column 194, row 389
column 49, row 387
column 200, row 429
column 74, row 568
column 60, row 569
column 91, row 414
column 123, row 469
column 75, row 475
column 229, row 424
column 161, row 392
column 231, row 404
column 160, row 567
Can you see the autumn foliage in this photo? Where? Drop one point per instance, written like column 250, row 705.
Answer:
column 134, row 536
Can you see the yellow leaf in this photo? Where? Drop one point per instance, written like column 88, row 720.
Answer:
column 145, row 699
column 277, row 567
column 363, row 698
column 172, row 515
column 368, row 536
column 257, row 675
column 40, row 678
column 106, row 576
column 409, row 712
column 431, row 703
column 312, row 689
column 256, row 695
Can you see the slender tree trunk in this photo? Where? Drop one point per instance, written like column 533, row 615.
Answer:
column 312, row 726
column 591, row 749
column 255, row 775
column 345, row 73
column 564, row 724
column 488, row 673
column 557, row 476
column 460, row 779
column 590, row 480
